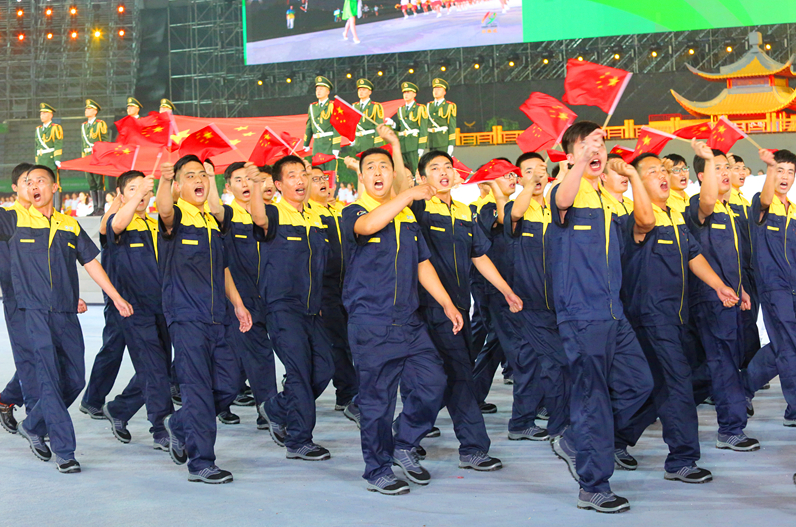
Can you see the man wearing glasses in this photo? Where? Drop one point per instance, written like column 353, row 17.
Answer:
column 678, row 181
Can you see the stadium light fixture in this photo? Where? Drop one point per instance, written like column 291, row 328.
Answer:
column 73, row 35
column 21, row 36
column 48, row 12
column 121, row 32
column 73, row 11
column 49, row 36
column 20, row 12
column 97, row 33
column 259, row 82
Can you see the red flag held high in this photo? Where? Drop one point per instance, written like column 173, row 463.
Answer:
column 698, row 131
column 724, row 135
column 625, row 152
column 116, row 155
column 534, row 139
column 205, row 142
column 556, row 156
column 549, row 114
column 493, row 170
column 319, row 159
column 460, row 167
column 650, row 140
column 345, row 118
column 592, row 84
column 152, row 130
column 269, row 146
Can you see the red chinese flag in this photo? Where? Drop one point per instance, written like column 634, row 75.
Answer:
column 724, row 135
column 460, row 167
column 626, row 153
column 292, row 142
column 534, row 139
column 152, row 130
column 388, row 148
column 698, row 131
column 493, row 170
column 332, row 181
column 114, row 154
column 592, row 84
column 205, row 142
column 319, row 159
column 650, row 140
column 556, row 156
column 345, row 118
column 549, row 114
column 268, row 147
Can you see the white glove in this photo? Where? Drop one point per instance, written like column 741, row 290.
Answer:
column 419, row 152
column 306, row 148
column 389, row 122
column 336, row 153
column 58, row 164
column 450, row 150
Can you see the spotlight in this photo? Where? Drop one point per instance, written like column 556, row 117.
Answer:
column 73, row 11
column 768, row 47
column 653, row 53
column 379, row 73
column 120, row 9
column 728, row 46
column 20, row 13
column 121, row 32
column 443, row 68
column 21, row 37
column 545, row 60
column 477, row 61
column 411, row 70
column 288, row 80
column 347, row 75
column 97, row 33
column 73, row 34
column 259, row 83
column 580, row 58
column 476, row 66
column 49, row 36
column 48, row 11
column 617, row 56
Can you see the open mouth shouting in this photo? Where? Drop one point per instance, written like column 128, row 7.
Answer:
column 596, row 165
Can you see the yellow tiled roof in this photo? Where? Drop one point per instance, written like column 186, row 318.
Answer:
column 773, row 100
column 753, row 69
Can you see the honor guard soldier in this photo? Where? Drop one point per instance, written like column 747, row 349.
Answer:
column 165, row 106
column 325, row 139
column 411, row 124
column 133, row 107
column 49, row 146
column 366, row 136
column 91, row 131
column 441, row 119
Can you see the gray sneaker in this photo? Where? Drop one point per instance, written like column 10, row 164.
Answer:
column 738, row 443
column 212, row 475
column 410, row 464
column 176, row 448
column 161, row 444
column 607, row 502
column 543, row 414
column 66, row 466
column 692, row 474
column 308, row 452
column 624, row 460
column 37, row 444
column 94, row 413
column 566, row 452
column 480, row 461
column 118, row 427
column 352, row 413
column 534, row 433
column 790, row 423
column 389, row 485
column 278, row 431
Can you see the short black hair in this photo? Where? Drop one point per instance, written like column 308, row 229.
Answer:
column 642, row 157
column 209, row 162
column 127, row 177
column 237, row 165
column 428, row 157
column 287, row 160
column 266, row 169
column 374, row 151
column 47, row 169
column 738, row 159
column 612, row 155
column 699, row 163
column 555, row 171
column 528, row 156
column 184, row 160
column 577, row 132
column 16, row 173
column 676, row 159
column 785, row 156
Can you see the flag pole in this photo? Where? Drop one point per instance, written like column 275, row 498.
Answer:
column 224, row 137
column 753, row 142
column 607, row 118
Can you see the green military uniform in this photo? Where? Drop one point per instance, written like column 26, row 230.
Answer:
column 366, row 130
column 167, row 104
column 49, row 141
column 411, row 125
column 132, row 101
column 319, row 129
column 441, row 122
column 92, row 131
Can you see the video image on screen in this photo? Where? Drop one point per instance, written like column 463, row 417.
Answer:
column 290, row 30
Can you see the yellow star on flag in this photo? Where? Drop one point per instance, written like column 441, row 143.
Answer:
column 180, row 136
column 234, row 141
column 247, row 134
column 646, row 140
column 208, row 135
column 562, row 115
column 613, row 81
column 242, row 128
column 126, row 151
column 157, row 129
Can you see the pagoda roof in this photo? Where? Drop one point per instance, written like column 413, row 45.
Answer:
column 730, row 102
column 753, row 63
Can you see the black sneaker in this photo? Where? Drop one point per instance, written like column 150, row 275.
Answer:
column 37, row 444
column 278, row 432
column 176, row 396
column 389, row 485
column 262, row 423
column 352, row 413
column 67, row 466
column 750, row 409
column 339, row 407
column 243, row 400
column 480, row 461
column 228, row 418
column 738, row 443
column 410, row 464
column 309, row 452
column 7, row 418
column 766, row 386
column 212, row 475
column 488, row 408
column 607, row 502
column 176, row 448
column 118, row 427
column 624, row 460
column 508, row 380
column 434, row 432
column 94, row 413
column 420, row 451
column 690, row 475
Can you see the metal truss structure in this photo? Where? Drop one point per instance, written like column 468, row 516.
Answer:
column 58, row 59
column 208, row 76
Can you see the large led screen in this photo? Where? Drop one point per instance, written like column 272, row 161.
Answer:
column 292, row 30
